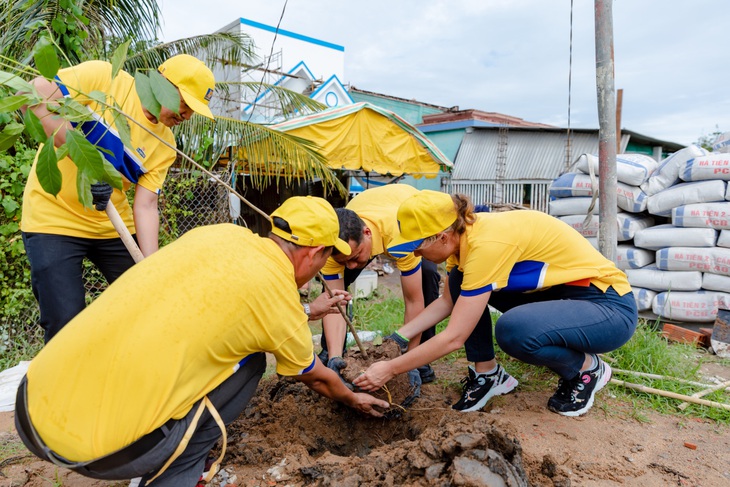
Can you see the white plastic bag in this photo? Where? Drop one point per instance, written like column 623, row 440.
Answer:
column 663, row 202
column 667, row 235
column 703, row 215
column 650, row 277
column 667, row 173
column 711, row 166
column 698, row 306
column 630, row 257
column 9, row 382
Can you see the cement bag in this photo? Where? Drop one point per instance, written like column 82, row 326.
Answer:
column 724, row 239
column 572, row 184
column 593, row 241
column 644, row 298
column 663, row 202
column 722, row 143
column 9, row 382
column 630, row 257
column 711, row 166
column 660, row 236
column 667, row 173
column 655, row 279
column 630, row 198
column 572, row 206
column 698, row 306
column 631, row 169
column 703, row 215
column 629, row 224
column 715, row 259
column 576, row 221
column 715, row 282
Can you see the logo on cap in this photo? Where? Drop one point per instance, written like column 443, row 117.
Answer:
column 208, row 95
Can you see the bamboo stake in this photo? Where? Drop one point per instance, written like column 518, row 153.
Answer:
column 712, row 389
column 660, row 392
column 347, row 320
column 661, row 377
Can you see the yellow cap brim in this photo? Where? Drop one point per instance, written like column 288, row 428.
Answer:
column 343, row 247
column 196, row 105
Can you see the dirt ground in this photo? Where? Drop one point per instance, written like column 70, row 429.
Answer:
column 289, row 436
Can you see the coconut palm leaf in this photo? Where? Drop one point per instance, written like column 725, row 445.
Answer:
column 287, row 102
column 266, row 154
column 220, row 48
column 107, row 19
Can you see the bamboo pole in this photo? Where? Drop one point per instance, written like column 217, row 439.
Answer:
column 710, row 390
column 347, row 320
column 673, row 395
column 661, row 377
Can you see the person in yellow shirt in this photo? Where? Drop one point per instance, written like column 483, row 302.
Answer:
column 143, row 381
column 563, row 302
column 368, row 223
column 58, row 232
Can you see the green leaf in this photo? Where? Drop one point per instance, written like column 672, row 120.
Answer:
column 83, row 188
column 49, row 176
column 74, row 111
column 10, row 205
column 98, row 96
column 15, row 83
column 165, row 92
column 119, row 56
column 12, row 103
column 58, row 26
column 61, row 152
column 85, row 155
column 45, row 57
column 113, row 177
column 146, row 96
column 9, row 135
column 34, row 127
column 122, row 125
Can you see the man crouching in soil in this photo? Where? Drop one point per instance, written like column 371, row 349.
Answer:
column 144, row 380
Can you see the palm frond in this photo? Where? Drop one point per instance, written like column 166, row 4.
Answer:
column 288, row 102
column 221, row 48
column 266, row 154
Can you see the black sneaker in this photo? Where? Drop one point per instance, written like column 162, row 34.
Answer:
column 427, row 374
column 479, row 389
column 574, row 397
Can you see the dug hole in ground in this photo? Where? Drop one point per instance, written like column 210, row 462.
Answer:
column 289, row 435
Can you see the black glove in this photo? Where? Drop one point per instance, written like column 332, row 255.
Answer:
column 337, row 364
column 400, row 340
column 100, row 194
column 414, row 379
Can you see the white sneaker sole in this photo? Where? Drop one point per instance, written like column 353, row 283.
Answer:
column 601, row 384
column 504, row 388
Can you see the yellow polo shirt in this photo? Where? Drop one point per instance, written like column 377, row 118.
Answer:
column 146, row 164
column 378, row 208
column 167, row 332
column 529, row 250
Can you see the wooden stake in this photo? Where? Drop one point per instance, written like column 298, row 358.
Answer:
column 347, row 320
column 660, row 392
column 123, row 231
column 712, row 389
column 661, row 377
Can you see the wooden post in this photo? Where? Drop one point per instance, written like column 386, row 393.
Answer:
column 619, row 107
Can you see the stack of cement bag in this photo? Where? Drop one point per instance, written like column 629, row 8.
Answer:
column 673, row 227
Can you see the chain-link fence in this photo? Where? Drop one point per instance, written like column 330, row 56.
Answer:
column 189, row 199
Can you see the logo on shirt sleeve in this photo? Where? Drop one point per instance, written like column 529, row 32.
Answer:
column 140, row 151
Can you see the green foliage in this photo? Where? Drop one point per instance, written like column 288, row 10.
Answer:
column 706, row 140
column 17, row 304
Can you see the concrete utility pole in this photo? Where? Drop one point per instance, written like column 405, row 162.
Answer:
column 608, row 226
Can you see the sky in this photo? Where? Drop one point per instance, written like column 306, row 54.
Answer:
column 513, row 56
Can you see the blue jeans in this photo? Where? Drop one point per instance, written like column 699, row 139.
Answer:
column 554, row 328
column 56, row 273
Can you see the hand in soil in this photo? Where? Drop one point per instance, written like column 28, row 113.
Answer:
column 375, row 376
column 365, row 403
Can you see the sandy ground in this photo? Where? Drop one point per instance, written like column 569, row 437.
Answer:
column 290, row 436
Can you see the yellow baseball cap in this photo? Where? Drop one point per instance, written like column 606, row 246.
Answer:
column 312, row 221
column 420, row 216
column 194, row 80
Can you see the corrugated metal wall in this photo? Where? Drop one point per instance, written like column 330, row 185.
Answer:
column 532, row 160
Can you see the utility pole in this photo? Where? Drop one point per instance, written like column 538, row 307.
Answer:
column 608, row 226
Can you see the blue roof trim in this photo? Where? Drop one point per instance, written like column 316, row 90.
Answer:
column 461, row 124
column 326, row 83
column 279, row 81
column 293, row 35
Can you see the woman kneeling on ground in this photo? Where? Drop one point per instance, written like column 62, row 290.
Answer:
column 563, row 303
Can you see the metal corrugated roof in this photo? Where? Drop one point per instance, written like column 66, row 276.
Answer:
column 530, row 155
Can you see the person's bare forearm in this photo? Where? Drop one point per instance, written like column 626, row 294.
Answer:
column 51, row 122
column 433, row 314
column 146, row 221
